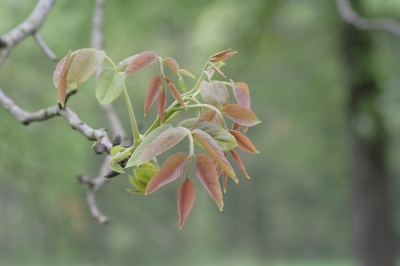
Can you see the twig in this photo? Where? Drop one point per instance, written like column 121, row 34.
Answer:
column 350, row 16
column 26, row 28
column 94, row 184
column 44, row 46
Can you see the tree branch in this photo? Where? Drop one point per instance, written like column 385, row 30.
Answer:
column 26, row 28
column 26, row 118
column 350, row 16
column 97, row 42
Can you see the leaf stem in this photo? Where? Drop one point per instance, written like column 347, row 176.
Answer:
column 110, row 62
column 191, row 143
column 135, row 130
column 200, row 79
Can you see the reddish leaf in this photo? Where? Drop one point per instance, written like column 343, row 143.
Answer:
column 163, row 142
column 162, row 101
column 243, row 142
column 171, row 63
column 219, row 170
column 171, row 170
column 152, row 92
column 241, row 93
column 225, row 178
column 60, row 78
column 219, row 55
column 239, row 162
column 142, row 60
column 208, row 176
column 224, row 57
column 236, row 126
column 174, row 92
column 214, row 93
column 211, row 116
column 210, row 72
column 223, row 138
column 218, row 71
column 186, row 196
column 211, row 146
column 240, row 115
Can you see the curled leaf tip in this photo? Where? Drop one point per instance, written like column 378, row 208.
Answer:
column 220, row 209
column 248, row 177
column 224, row 190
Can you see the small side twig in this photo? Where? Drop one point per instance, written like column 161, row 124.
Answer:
column 94, row 184
column 26, row 28
column 44, row 46
column 350, row 16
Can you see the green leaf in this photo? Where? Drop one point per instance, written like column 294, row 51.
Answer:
column 225, row 140
column 145, row 142
column 116, row 149
column 181, row 83
column 163, row 142
column 144, row 174
column 135, row 191
column 186, row 73
column 139, row 185
column 109, row 85
column 85, row 62
column 215, row 93
column 116, row 167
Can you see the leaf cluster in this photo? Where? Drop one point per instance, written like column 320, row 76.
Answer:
column 208, row 130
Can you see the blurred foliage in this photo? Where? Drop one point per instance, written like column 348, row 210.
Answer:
column 297, row 205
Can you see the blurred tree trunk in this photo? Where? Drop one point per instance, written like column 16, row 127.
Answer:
column 372, row 208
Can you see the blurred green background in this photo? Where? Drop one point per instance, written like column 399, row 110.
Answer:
column 296, row 209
